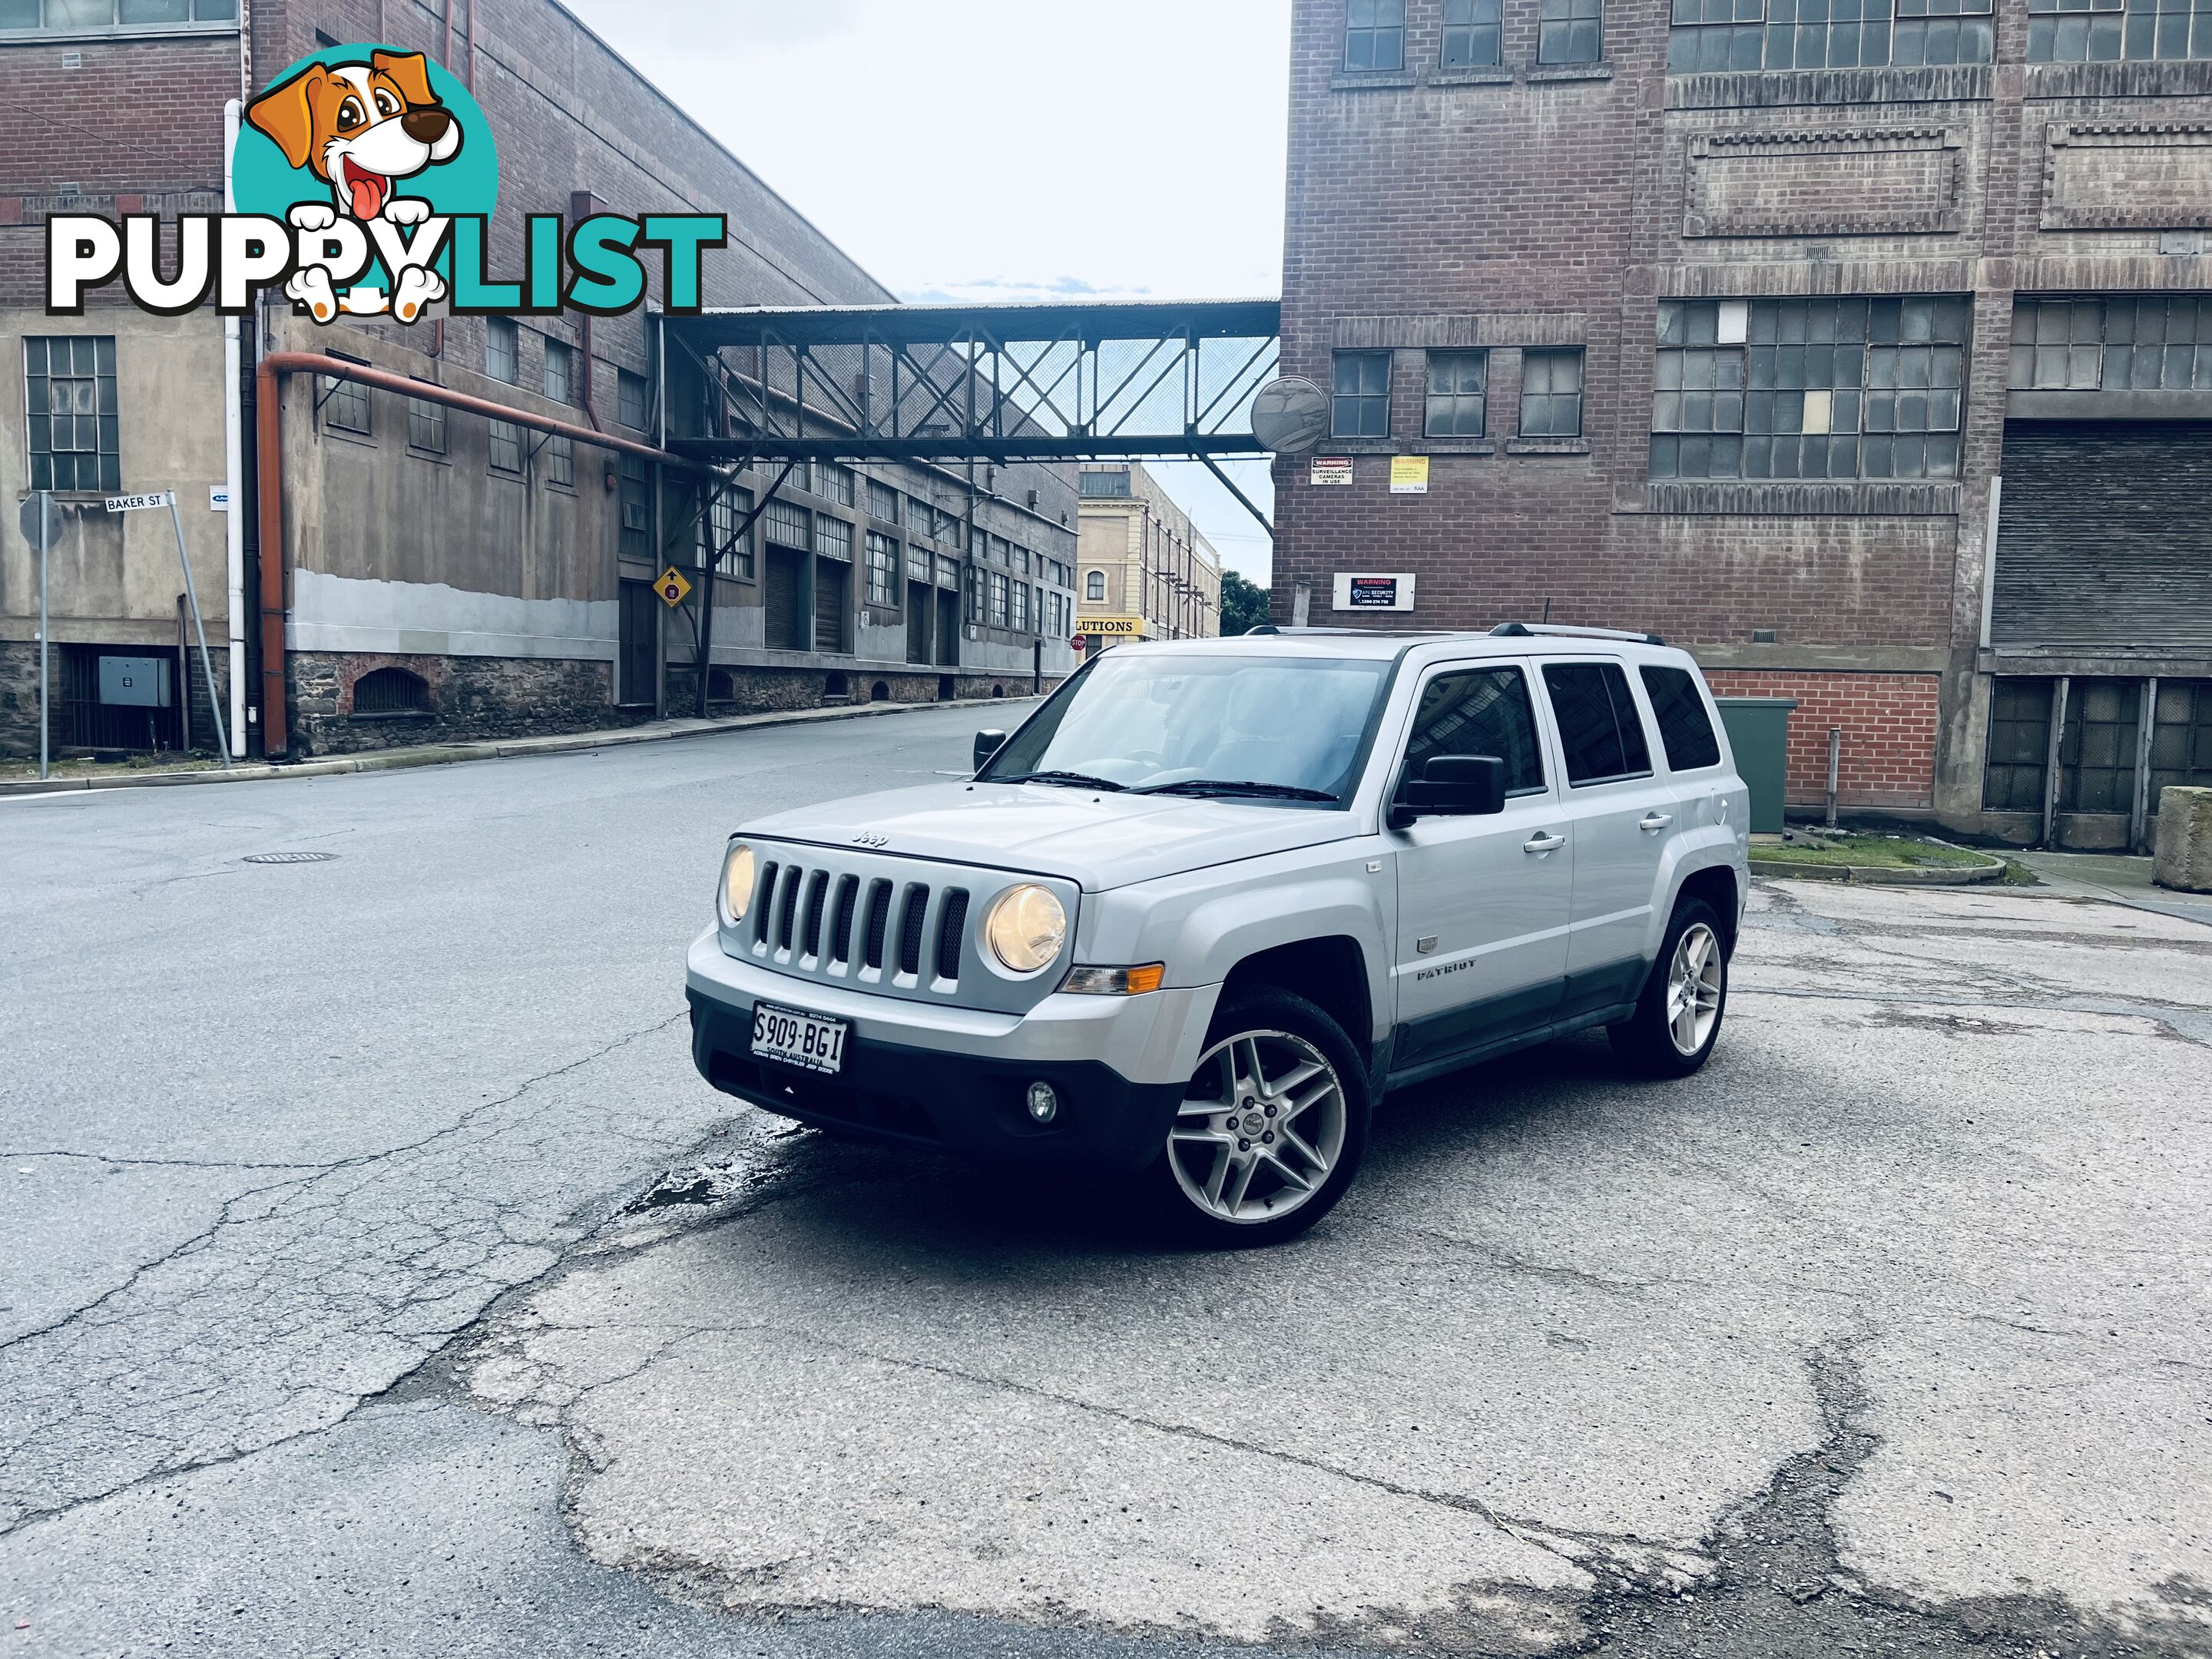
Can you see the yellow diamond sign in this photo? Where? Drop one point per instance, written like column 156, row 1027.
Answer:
column 672, row 587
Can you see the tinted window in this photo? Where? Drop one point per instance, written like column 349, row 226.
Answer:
column 1598, row 725
column 1482, row 713
column 1684, row 727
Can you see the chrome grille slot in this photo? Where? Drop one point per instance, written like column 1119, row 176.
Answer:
column 818, row 892
column 786, row 905
column 910, row 930
column 841, row 925
column 879, row 920
column 951, row 927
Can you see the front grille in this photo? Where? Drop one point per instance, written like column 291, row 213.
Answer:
column 893, row 926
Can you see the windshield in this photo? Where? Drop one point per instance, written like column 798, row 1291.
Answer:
column 1265, row 727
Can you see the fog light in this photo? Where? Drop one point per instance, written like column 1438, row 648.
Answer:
column 1044, row 1102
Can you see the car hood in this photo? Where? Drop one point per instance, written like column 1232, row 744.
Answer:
column 1095, row 839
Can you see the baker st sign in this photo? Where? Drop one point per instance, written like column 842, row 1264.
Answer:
column 1373, row 592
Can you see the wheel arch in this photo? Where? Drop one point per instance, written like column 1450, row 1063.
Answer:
column 1330, row 971
column 1716, row 885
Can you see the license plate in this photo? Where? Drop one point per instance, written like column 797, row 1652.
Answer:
column 808, row 1041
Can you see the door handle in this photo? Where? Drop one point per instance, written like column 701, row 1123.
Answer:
column 1545, row 842
column 1655, row 821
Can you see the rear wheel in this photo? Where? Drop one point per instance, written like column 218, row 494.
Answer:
column 1677, row 1019
column 1271, row 1127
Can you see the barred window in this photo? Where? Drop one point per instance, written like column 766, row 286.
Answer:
column 2146, row 343
column 787, row 525
column 345, row 405
column 1713, row 35
column 1000, row 600
column 633, row 399
column 1104, row 485
column 1819, row 388
column 502, row 349
column 883, row 569
column 1018, row 615
column 1470, row 33
column 921, row 516
column 833, row 537
column 833, row 482
column 919, row 566
column 1375, row 34
column 69, row 383
column 425, row 426
column 1362, row 395
column 506, row 439
column 726, row 515
column 1458, row 383
column 978, row 607
column 948, row 572
column 2108, row 31
column 561, row 462
column 882, row 502
column 1571, row 32
column 947, row 525
column 1551, row 393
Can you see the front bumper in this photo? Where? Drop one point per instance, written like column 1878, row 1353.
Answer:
column 957, row 1079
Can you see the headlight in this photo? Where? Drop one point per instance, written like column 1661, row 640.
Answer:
column 738, row 881
column 1026, row 928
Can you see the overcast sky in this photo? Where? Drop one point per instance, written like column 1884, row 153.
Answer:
column 990, row 149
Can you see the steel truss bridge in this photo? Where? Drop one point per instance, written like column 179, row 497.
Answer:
column 998, row 384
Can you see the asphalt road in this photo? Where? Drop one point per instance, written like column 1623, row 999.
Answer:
column 376, row 1278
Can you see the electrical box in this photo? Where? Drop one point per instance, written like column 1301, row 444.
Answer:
column 1759, row 732
column 136, row 681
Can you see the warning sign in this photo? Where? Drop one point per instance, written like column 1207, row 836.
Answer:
column 672, row 587
column 1330, row 470
column 1409, row 475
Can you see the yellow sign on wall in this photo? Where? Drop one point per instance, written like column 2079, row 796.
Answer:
column 1409, row 475
column 1111, row 627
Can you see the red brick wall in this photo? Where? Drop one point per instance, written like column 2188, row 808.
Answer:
column 1889, row 723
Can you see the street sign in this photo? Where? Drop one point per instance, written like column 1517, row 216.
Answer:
column 41, row 528
column 672, row 587
column 133, row 503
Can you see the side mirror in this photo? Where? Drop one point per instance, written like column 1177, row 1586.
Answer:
column 1451, row 785
column 987, row 743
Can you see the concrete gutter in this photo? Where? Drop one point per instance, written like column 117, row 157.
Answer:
column 1880, row 875
column 447, row 754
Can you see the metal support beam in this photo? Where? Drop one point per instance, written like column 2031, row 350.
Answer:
column 1229, row 485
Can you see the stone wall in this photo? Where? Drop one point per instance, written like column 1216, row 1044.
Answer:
column 469, row 698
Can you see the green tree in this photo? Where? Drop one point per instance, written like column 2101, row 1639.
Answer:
column 1243, row 605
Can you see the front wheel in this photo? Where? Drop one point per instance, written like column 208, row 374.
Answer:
column 1677, row 1019
column 1272, row 1127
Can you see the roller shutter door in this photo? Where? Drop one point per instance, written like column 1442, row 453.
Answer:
column 2105, row 535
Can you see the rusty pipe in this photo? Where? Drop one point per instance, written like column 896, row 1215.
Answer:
column 269, row 452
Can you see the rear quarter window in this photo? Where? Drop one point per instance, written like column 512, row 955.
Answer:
column 1685, row 728
column 1600, row 731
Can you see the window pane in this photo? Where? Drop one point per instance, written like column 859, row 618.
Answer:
column 1482, row 713
column 1685, row 729
column 1599, row 729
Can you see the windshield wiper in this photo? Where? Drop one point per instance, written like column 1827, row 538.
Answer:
column 1227, row 786
column 1072, row 780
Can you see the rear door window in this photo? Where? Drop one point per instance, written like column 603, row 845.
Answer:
column 1686, row 731
column 1600, row 731
column 1483, row 711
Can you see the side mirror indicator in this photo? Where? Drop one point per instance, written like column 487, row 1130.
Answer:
column 987, row 743
column 1451, row 785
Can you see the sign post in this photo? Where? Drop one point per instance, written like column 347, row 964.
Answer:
column 37, row 522
column 169, row 498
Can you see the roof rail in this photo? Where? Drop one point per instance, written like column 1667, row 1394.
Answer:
column 1514, row 630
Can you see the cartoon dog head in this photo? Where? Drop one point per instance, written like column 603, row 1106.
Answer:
column 360, row 127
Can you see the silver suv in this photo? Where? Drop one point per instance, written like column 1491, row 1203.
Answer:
column 1215, row 898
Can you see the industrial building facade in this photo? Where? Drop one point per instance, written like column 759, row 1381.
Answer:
column 1865, row 350
column 440, row 571
column 1146, row 571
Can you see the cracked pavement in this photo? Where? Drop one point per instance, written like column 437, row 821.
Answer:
column 379, row 1279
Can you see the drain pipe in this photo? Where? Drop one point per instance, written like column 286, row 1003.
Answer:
column 233, row 455
column 1835, row 766
column 269, row 453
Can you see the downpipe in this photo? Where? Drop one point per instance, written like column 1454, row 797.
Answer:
column 234, row 447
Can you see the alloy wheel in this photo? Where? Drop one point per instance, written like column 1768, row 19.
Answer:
column 1693, row 989
column 1261, row 1127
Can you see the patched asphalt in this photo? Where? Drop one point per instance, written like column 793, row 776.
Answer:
column 377, row 1278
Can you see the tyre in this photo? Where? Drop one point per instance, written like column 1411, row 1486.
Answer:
column 1677, row 1019
column 1272, row 1127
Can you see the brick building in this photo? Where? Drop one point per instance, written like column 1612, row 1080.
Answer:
column 1141, row 560
column 1858, row 349
column 447, row 572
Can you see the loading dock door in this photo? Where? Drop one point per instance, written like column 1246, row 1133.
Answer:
column 2103, row 540
column 918, row 614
